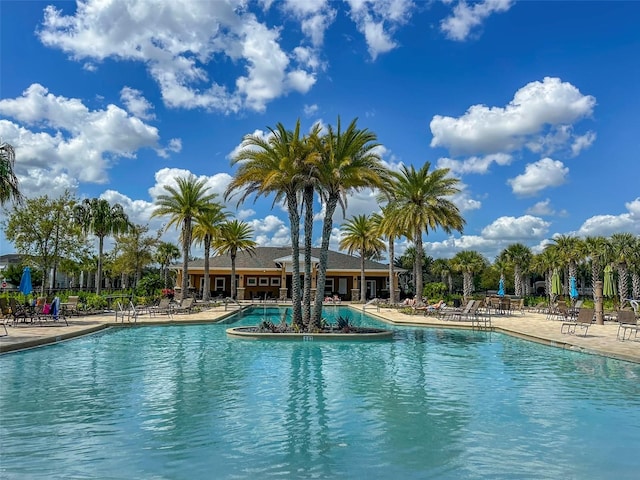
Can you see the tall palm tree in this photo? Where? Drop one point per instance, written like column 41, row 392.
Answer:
column 544, row 263
column 421, row 200
column 634, row 267
column 360, row 235
column 468, row 262
column 518, row 256
column 165, row 254
column 347, row 161
column 232, row 237
column 624, row 248
column 99, row 217
column 205, row 228
column 599, row 250
column 8, row 179
column 387, row 226
column 190, row 199
column 273, row 166
column 570, row 251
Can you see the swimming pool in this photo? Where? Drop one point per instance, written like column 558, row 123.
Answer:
column 188, row 402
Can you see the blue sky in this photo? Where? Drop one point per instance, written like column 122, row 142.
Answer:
column 533, row 105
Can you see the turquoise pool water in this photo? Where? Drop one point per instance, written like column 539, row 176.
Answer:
column 188, row 402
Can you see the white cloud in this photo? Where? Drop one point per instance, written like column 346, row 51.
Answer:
column 315, row 16
column 474, row 164
column 136, row 104
column 238, row 148
column 377, row 21
column 606, row 225
column 180, row 44
column 271, row 231
column 544, row 208
column 310, row 110
column 542, row 174
column 65, row 139
column 459, row 25
column 536, row 106
column 523, row 228
column 581, row 142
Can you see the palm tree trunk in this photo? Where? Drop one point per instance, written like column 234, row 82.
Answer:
column 467, row 288
column 186, row 242
column 308, row 237
column 99, row 272
column 635, row 285
column 233, row 275
column 206, row 287
column 418, row 268
column 623, row 286
column 327, row 225
column 450, row 282
column 518, row 281
column 596, row 272
column 294, row 221
column 363, row 280
column 392, row 274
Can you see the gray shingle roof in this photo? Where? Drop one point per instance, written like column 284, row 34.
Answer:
column 264, row 258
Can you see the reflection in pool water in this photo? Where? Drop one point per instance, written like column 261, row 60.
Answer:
column 188, row 402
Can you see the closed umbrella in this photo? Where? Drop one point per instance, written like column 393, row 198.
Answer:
column 609, row 286
column 501, row 288
column 556, row 284
column 25, row 282
column 573, row 291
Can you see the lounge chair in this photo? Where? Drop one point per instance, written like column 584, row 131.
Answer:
column 185, row 305
column 130, row 312
column 70, row 307
column 19, row 312
column 627, row 321
column 584, row 321
column 452, row 314
column 431, row 309
column 163, row 308
column 52, row 312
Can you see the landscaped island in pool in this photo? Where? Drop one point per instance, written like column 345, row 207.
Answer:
column 189, row 402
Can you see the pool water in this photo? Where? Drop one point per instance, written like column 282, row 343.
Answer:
column 189, row 402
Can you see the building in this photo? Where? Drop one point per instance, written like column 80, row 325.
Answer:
column 267, row 275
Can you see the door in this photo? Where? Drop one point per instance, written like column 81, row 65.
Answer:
column 371, row 289
column 342, row 286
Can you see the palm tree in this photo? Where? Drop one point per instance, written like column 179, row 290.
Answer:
column 599, row 249
column 165, row 254
column 441, row 267
column 469, row 262
column 624, row 246
column 544, row 263
column 189, row 200
column 519, row 257
column 8, row 179
column 570, row 251
column 420, row 202
column 273, row 166
column 634, row 266
column 232, row 237
column 387, row 227
column 360, row 235
column 205, row 228
column 99, row 217
column 347, row 161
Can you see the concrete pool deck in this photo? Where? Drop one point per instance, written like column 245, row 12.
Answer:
column 600, row 340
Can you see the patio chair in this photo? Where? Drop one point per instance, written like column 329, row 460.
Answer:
column 185, row 305
column 584, row 321
column 51, row 311
column 459, row 312
column 627, row 321
column 130, row 312
column 163, row 308
column 70, row 307
column 19, row 312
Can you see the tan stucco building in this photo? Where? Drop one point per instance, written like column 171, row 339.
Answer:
column 267, row 274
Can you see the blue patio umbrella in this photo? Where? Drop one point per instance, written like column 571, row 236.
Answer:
column 25, row 281
column 573, row 291
column 501, row 288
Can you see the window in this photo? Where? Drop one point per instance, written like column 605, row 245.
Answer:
column 328, row 286
column 251, row 281
column 219, row 282
column 264, row 281
column 275, row 281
